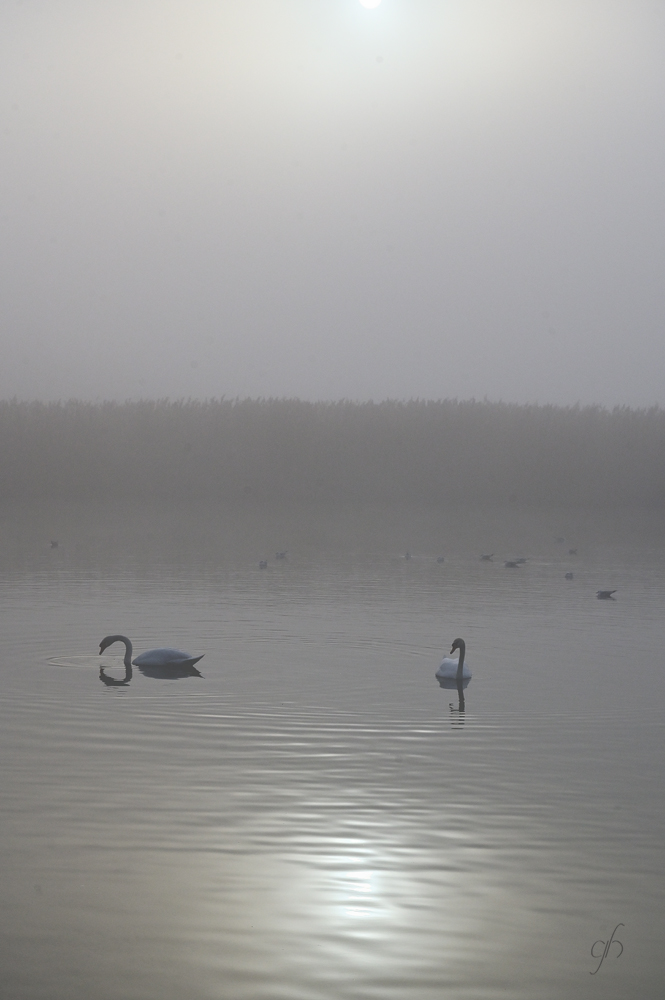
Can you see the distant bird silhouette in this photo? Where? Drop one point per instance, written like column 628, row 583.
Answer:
column 487, row 558
column 280, row 555
column 605, row 595
column 408, row 555
column 511, row 564
column 440, row 559
column 572, row 552
column 569, row 576
column 54, row 545
column 263, row 564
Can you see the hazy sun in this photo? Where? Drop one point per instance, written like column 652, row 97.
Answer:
column 370, row 3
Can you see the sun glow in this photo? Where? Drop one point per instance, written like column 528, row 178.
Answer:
column 370, row 4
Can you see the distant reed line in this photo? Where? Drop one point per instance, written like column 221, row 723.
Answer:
column 286, row 450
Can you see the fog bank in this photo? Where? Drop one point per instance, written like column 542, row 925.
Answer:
column 291, row 451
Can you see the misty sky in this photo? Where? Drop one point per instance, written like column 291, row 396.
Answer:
column 308, row 198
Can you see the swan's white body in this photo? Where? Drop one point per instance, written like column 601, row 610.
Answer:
column 162, row 657
column 152, row 657
column 449, row 669
column 455, row 669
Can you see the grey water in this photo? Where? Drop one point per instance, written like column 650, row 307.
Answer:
column 315, row 817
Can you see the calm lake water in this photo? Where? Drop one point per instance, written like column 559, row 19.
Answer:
column 314, row 817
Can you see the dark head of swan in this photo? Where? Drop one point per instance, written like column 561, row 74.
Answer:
column 461, row 645
column 106, row 642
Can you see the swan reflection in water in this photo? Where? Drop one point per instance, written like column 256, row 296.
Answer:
column 461, row 707
column 112, row 681
column 164, row 664
column 446, row 682
column 167, row 672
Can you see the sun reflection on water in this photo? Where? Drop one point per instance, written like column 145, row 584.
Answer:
column 359, row 883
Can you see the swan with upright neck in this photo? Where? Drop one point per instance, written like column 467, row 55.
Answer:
column 151, row 658
column 455, row 670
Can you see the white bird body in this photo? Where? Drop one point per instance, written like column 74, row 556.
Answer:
column 162, row 657
column 451, row 669
column 152, row 657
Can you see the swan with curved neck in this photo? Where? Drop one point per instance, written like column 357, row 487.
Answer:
column 151, row 658
column 455, row 669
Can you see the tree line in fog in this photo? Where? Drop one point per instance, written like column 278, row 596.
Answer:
column 286, row 450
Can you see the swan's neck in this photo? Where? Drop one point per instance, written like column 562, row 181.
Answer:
column 128, row 648
column 460, row 665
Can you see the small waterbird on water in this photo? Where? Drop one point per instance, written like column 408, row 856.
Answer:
column 605, row 595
